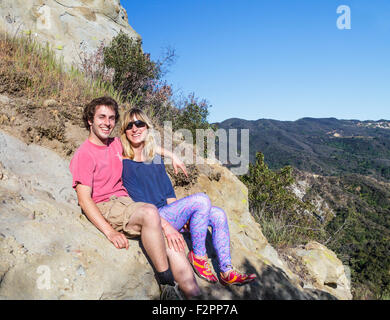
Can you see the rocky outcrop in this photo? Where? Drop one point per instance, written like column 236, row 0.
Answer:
column 319, row 268
column 71, row 27
column 50, row 250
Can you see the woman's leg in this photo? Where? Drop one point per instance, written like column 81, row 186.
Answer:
column 221, row 242
column 195, row 208
column 221, row 237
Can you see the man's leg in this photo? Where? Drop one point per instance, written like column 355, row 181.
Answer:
column 183, row 274
column 147, row 221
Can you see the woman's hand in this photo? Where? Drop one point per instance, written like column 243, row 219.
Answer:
column 177, row 163
column 118, row 239
column 174, row 238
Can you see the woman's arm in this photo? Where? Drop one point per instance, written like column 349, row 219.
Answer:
column 176, row 162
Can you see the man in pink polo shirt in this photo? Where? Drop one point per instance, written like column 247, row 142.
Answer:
column 96, row 168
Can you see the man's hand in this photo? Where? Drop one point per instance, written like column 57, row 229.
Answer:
column 118, row 239
column 177, row 163
column 174, row 238
column 95, row 216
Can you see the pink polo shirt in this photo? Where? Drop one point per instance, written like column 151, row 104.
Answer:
column 99, row 167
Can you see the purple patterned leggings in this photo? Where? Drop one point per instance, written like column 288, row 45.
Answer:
column 198, row 209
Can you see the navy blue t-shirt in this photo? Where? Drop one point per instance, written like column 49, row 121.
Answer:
column 147, row 182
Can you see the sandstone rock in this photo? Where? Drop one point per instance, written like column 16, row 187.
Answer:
column 69, row 26
column 325, row 268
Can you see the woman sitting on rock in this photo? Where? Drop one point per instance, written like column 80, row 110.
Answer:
column 146, row 180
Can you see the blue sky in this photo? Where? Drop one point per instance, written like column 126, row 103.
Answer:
column 273, row 59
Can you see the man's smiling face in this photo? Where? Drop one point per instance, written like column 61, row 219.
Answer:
column 102, row 125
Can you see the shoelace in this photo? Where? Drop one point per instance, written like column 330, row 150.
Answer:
column 207, row 265
column 233, row 269
column 230, row 271
column 206, row 262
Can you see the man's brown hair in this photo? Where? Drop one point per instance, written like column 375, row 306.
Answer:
column 90, row 109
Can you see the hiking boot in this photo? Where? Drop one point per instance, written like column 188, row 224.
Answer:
column 236, row 278
column 202, row 268
column 169, row 292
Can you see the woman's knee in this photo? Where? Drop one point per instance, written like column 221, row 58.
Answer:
column 217, row 215
column 202, row 200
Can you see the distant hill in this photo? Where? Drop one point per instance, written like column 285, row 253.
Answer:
column 351, row 157
column 326, row 146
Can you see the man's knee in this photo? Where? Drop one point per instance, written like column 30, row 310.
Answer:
column 150, row 215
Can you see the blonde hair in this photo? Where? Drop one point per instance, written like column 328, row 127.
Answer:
column 149, row 149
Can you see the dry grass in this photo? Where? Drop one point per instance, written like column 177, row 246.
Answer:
column 31, row 70
column 31, row 76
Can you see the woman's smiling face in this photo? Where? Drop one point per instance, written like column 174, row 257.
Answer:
column 136, row 135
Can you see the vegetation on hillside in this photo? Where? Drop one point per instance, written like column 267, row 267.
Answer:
column 31, row 70
column 359, row 233
column 139, row 81
column 35, row 78
column 363, row 242
column 285, row 219
column 121, row 70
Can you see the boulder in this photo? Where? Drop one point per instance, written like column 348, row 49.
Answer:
column 71, row 27
column 323, row 269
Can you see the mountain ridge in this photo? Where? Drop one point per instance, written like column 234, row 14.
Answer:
column 327, row 146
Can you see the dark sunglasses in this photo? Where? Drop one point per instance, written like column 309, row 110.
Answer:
column 138, row 124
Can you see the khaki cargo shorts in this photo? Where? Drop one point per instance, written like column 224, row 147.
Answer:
column 117, row 211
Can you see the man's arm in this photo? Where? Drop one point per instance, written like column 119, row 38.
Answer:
column 95, row 216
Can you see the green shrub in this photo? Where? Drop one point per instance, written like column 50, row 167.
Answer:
column 285, row 219
column 139, row 80
column 134, row 70
column 192, row 116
